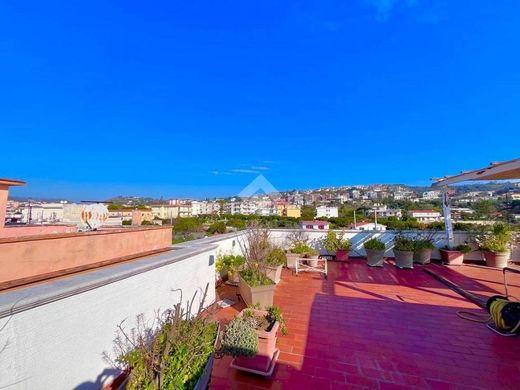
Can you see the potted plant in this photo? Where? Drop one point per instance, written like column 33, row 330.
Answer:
column 251, row 339
column 495, row 245
column 423, row 251
column 375, row 250
column 254, row 285
column 298, row 250
column 275, row 261
column 297, row 242
column 177, row 354
column 232, row 264
column 403, row 252
column 313, row 255
column 337, row 246
column 455, row 255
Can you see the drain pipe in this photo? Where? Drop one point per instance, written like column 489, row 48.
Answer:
column 459, row 290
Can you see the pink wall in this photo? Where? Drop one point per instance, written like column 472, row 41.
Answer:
column 4, row 193
column 28, row 259
column 31, row 230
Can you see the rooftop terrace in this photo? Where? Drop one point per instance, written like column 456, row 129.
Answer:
column 382, row 329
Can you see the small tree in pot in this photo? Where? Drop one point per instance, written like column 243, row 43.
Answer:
column 275, row 261
column 403, row 252
column 338, row 246
column 254, row 285
column 423, row 250
column 375, row 250
column 455, row 255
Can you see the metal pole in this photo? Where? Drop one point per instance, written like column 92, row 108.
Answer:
column 375, row 217
column 355, row 219
column 447, row 216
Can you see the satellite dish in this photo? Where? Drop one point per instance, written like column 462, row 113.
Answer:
column 94, row 215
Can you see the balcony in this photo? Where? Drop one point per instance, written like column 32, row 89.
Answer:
column 359, row 328
column 382, row 329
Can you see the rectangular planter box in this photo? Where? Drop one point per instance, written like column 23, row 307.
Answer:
column 274, row 273
column 262, row 295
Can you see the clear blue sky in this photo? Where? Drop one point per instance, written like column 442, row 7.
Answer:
column 193, row 98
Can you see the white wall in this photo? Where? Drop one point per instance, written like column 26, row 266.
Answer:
column 59, row 345
column 316, row 238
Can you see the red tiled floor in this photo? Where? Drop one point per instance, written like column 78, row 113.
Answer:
column 382, row 329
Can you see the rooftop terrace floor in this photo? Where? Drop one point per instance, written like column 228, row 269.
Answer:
column 382, row 329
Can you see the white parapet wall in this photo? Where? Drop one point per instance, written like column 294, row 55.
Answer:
column 53, row 335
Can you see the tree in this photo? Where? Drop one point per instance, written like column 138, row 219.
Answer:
column 308, row 212
column 484, row 207
column 217, row 227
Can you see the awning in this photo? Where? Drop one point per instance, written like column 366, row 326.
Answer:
column 496, row 171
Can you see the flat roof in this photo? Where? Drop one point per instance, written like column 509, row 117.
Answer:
column 11, row 182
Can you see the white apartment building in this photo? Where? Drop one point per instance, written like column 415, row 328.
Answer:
column 425, row 216
column 204, row 208
column 384, row 212
column 326, row 211
column 368, row 226
column 429, row 195
column 42, row 212
column 164, row 211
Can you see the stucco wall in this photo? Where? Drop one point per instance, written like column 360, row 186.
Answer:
column 29, row 257
column 59, row 345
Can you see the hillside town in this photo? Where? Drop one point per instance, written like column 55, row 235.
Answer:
column 349, row 206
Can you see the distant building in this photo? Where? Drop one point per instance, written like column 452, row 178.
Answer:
column 326, row 211
column 425, row 216
column 431, row 195
column 204, row 208
column 314, row 225
column 368, row 226
column 165, row 211
column 384, row 212
column 284, row 209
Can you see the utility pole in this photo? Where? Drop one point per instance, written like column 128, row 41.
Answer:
column 375, row 217
column 355, row 225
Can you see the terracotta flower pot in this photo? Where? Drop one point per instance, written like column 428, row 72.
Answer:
column 403, row 259
column 342, row 255
column 422, row 256
column 291, row 259
column 375, row 257
column 262, row 295
column 496, row 259
column 274, row 273
column 452, row 257
column 266, row 349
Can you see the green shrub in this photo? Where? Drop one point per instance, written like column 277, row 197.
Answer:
column 374, row 244
column 421, row 244
column 497, row 240
column 332, row 242
column 401, row 243
column 464, row 248
column 274, row 313
column 300, row 248
column 240, row 337
column 312, row 252
column 255, row 278
column 217, row 227
column 276, row 257
column 231, row 262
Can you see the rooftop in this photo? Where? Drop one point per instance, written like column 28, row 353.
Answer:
column 382, row 329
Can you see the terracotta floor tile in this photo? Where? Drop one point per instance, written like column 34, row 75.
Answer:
column 365, row 328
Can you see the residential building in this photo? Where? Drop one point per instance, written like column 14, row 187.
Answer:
column 384, row 212
column 326, row 211
column 284, row 209
column 425, row 216
column 204, row 208
column 431, row 195
column 368, row 226
column 314, row 225
column 42, row 212
column 165, row 211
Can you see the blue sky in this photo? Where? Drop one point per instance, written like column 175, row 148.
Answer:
column 196, row 98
